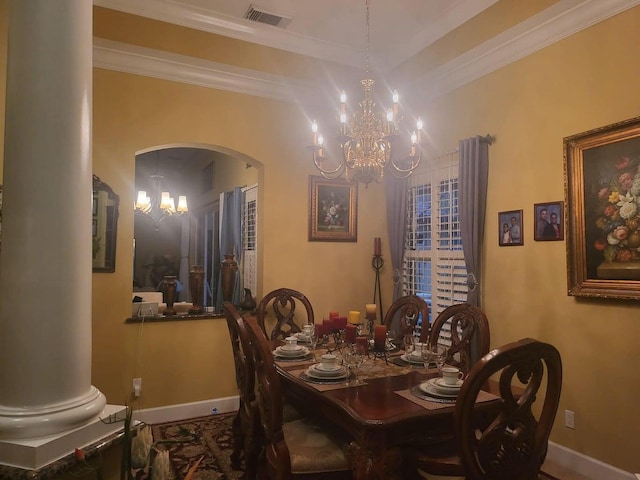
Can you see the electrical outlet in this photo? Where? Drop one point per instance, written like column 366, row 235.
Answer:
column 569, row 419
column 137, row 386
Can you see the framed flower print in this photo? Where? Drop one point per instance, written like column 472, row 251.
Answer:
column 333, row 210
column 602, row 177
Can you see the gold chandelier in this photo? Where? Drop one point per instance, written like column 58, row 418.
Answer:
column 369, row 142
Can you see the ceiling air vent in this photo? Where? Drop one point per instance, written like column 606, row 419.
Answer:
column 262, row 15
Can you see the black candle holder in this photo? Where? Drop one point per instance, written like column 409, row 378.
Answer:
column 377, row 353
column 377, row 263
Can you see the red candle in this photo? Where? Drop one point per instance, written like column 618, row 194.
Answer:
column 339, row 323
column 377, row 246
column 364, row 343
column 333, row 315
column 379, row 337
column 350, row 333
column 327, row 327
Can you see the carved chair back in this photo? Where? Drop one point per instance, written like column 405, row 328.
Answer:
column 246, row 440
column 281, row 303
column 469, row 334
column 270, row 404
column 408, row 309
column 513, row 443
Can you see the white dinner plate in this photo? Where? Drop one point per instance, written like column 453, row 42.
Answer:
column 430, row 388
column 313, row 372
column 412, row 359
column 301, row 352
column 440, row 383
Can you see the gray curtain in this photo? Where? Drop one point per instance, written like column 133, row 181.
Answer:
column 396, row 199
column 473, row 178
column 231, row 240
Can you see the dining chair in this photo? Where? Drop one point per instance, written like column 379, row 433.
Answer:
column 464, row 328
column 297, row 449
column 246, row 441
column 408, row 310
column 511, row 442
column 281, row 303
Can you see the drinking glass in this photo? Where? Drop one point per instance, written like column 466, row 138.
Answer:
column 439, row 355
column 358, row 358
column 313, row 342
column 408, row 344
column 427, row 356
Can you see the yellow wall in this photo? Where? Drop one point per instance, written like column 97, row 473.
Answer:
column 583, row 82
column 191, row 361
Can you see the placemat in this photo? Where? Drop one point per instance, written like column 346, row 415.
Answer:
column 435, row 404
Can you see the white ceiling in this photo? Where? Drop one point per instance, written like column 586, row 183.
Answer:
column 335, row 30
column 327, row 29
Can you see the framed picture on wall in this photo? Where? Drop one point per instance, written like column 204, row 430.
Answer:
column 333, row 210
column 510, row 228
column 548, row 221
column 602, row 175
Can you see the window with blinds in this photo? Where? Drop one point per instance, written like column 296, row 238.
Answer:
column 434, row 267
column 249, row 239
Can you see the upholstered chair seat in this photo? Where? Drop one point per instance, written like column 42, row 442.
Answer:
column 312, row 449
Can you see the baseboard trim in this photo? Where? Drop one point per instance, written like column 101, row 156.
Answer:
column 183, row 411
column 584, row 465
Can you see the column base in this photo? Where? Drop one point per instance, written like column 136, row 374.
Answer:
column 33, row 454
column 31, row 423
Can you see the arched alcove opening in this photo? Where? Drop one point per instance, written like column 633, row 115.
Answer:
column 170, row 244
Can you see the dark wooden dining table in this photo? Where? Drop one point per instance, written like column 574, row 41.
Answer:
column 373, row 414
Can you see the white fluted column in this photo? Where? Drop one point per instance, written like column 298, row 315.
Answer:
column 45, row 261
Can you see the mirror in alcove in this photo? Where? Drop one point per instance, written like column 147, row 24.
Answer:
column 169, row 244
column 104, row 223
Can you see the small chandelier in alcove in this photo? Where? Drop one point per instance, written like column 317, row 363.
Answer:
column 161, row 204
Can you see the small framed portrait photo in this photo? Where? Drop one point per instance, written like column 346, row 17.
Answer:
column 548, row 221
column 510, row 228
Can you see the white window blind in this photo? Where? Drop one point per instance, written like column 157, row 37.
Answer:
column 249, row 239
column 434, row 267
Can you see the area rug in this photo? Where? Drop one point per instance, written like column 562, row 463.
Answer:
column 209, row 437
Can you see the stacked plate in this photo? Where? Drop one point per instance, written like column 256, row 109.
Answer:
column 413, row 358
column 302, row 337
column 324, row 372
column 291, row 351
column 436, row 387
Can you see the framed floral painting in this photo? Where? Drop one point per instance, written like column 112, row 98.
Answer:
column 333, row 210
column 602, row 174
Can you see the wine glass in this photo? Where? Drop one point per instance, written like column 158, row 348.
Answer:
column 427, row 356
column 358, row 357
column 313, row 342
column 439, row 355
column 408, row 344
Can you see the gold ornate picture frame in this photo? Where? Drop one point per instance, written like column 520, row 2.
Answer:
column 602, row 178
column 333, row 210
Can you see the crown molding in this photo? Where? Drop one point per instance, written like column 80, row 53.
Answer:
column 557, row 22
column 240, row 29
column 148, row 62
column 551, row 25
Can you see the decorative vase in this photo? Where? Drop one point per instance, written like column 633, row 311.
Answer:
column 196, row 283
column 248, row 302
column 229, row 269
column 169, row 285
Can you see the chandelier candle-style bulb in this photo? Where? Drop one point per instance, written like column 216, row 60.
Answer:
column 314, row 130
column 182, row 204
